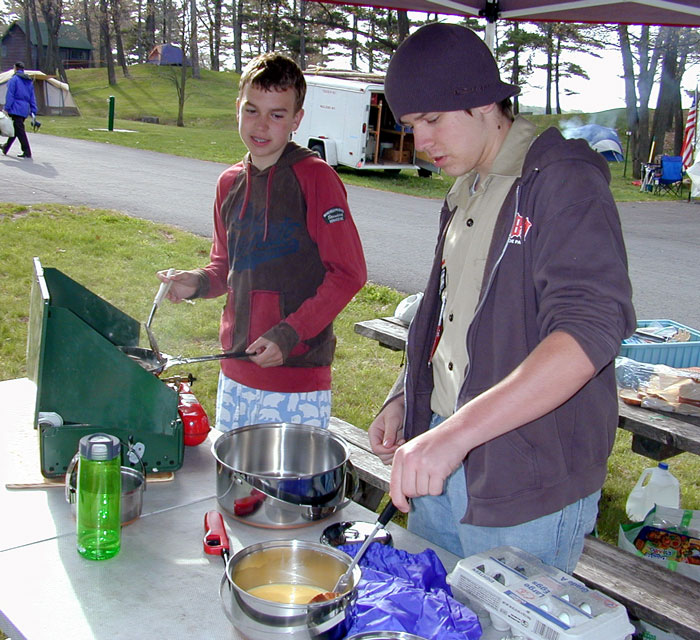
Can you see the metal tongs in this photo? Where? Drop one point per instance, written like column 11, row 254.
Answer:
column 162, row 292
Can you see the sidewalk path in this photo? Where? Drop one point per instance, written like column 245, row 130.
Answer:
column 398, row 232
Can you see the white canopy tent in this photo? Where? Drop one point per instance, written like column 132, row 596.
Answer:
column 53, row 97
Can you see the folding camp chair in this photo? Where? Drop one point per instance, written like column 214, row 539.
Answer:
column 671, row 177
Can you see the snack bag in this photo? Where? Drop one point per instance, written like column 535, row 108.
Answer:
column 670, row 537
column 668, row 545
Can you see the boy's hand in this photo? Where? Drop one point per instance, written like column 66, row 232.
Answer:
column 386, row 432
column 265, row 353
column 184, row 284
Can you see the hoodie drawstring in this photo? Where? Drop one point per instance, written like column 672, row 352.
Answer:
column 246, row 198
column 247, row 191
column 267, row 197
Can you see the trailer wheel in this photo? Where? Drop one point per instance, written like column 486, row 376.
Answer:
column 424, row 173
column 319, row 150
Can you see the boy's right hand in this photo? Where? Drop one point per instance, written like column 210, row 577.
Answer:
column 184, row 284
column 386, row 431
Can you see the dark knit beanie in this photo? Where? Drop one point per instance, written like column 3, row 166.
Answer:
column 443, row 67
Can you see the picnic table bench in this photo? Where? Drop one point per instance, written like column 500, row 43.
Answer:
column 650, row 592
column 655, row 434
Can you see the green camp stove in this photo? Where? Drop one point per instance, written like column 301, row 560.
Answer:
column 74, row 358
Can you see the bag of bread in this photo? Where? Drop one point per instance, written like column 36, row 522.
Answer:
column 658, row 386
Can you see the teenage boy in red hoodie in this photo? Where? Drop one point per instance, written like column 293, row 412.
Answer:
column 285, row 252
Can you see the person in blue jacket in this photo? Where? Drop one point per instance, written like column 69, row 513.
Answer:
column 20, row 103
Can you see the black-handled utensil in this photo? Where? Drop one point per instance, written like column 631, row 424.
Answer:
column 384, row 517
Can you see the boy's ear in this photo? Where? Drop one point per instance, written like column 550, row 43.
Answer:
column 296, row 120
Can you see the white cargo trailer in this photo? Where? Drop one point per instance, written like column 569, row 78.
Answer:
column 348, row 122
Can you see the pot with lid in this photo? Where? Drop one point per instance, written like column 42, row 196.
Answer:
column 282, row 475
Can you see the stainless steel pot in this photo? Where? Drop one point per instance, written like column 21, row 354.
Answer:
column 282, row 475
column 288, row 562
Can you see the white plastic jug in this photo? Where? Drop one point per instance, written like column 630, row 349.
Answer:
column 661, row 487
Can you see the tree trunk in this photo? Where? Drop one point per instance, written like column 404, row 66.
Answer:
column 354, row 42
column 370, row 46
column 40, row 56
column 679, row 130
column 86, row 22
column 116, row 23
column 302, row 34
column 515, row 70
column 404, row 25
column 548, row 39
column 557, row 74
column 216, row 56
column 149, row 36
column 194, row 47
column 28, row 57
column 51, row 11
column 104, row 32
column 663, row 117
column 237, row 10
column 630, row 100
column 181, row 96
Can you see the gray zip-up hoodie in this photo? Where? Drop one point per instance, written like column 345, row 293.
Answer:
column 557, row 262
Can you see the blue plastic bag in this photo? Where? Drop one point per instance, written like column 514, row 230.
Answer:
column 402, row 591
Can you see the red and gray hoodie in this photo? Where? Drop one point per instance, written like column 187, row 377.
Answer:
column 557, row 262
column 287, row 254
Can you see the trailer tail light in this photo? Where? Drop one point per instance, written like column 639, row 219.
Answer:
column 364, row 127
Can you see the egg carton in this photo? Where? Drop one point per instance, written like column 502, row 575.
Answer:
column 528, row 599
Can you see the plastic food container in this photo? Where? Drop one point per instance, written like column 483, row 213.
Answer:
column 673, row 354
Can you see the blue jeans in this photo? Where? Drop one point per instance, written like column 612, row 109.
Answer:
column 557, row 538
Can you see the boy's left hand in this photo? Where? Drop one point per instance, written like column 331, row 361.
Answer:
column 265, row 353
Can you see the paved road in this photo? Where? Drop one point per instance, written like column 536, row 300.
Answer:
column 398, row 232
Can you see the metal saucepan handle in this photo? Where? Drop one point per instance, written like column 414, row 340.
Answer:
column 227, row 611
column 217, row 356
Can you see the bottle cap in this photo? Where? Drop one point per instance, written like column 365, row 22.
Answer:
column 99, row 446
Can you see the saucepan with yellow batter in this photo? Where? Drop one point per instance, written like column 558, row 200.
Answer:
column 272, row 584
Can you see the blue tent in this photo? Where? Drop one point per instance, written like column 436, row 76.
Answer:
column 166, row 54
column 603, row 139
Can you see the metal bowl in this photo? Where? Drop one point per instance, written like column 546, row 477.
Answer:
column 288, row 562
column 133, row 486
column 282, row 475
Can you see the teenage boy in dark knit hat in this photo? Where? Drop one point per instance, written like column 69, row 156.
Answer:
column 501, row 427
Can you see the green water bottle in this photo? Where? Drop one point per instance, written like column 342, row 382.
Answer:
column 98, row 494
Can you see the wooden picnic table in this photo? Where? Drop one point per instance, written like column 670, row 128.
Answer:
column 655, row 434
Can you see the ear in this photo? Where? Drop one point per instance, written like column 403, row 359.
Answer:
column 487, row 108
column 296, row 120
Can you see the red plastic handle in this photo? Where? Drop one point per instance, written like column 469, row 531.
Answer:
column 249, row 504
column 215, row 538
